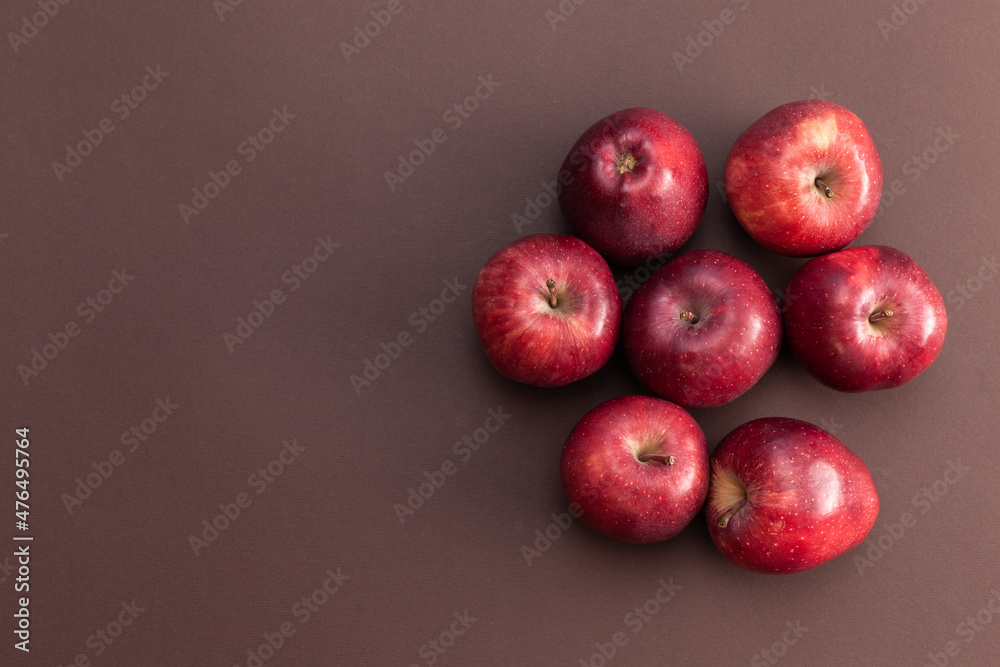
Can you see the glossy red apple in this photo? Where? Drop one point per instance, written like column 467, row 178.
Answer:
column 702, row 330
column 804, row 179
column 634, row 185
column 547, row 310
column 638, row 468
column 864, row 318
column 786, row 496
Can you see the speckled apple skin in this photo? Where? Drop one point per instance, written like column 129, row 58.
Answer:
column 527, row 340
column 829, row 301
column 650, row 211
column 771, row 171
column 809, row 497
column 622, row 497
column 717, row 359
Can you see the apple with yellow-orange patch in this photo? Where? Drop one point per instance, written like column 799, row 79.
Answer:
column 805, row 179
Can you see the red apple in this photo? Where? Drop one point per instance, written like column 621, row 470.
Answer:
column 639, row 185
column 702, row 330
column 547, row 310
column 638, row 468
column 786, row 496
column 804, row 179
column 864, row 318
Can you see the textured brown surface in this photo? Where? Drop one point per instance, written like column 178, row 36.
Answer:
column 323, row 177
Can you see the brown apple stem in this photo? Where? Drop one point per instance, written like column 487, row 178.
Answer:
column 551, row 284
column 880, row 315
column 665, row 460
column 824, row 187
column 626, row 163
column 688, row 316
column 724, row 519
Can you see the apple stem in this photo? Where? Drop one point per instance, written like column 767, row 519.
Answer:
column 626, row 163
column 665, row 460
column 824, row 187
column 724, row 519
column 551, row 284
column 880, row 315
column 688, row 316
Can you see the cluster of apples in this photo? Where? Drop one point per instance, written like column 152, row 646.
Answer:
column 780, row 495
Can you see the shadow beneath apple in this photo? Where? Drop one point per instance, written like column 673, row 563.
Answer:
column 585, row 549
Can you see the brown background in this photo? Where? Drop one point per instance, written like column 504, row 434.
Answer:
column 324, row 176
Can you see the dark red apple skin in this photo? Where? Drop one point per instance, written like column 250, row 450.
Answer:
column 718, row 358
column 652, row 209
column 809, row 497
column 622, row 497
column 523, row 336
column 828, row 305
column 771, row 171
